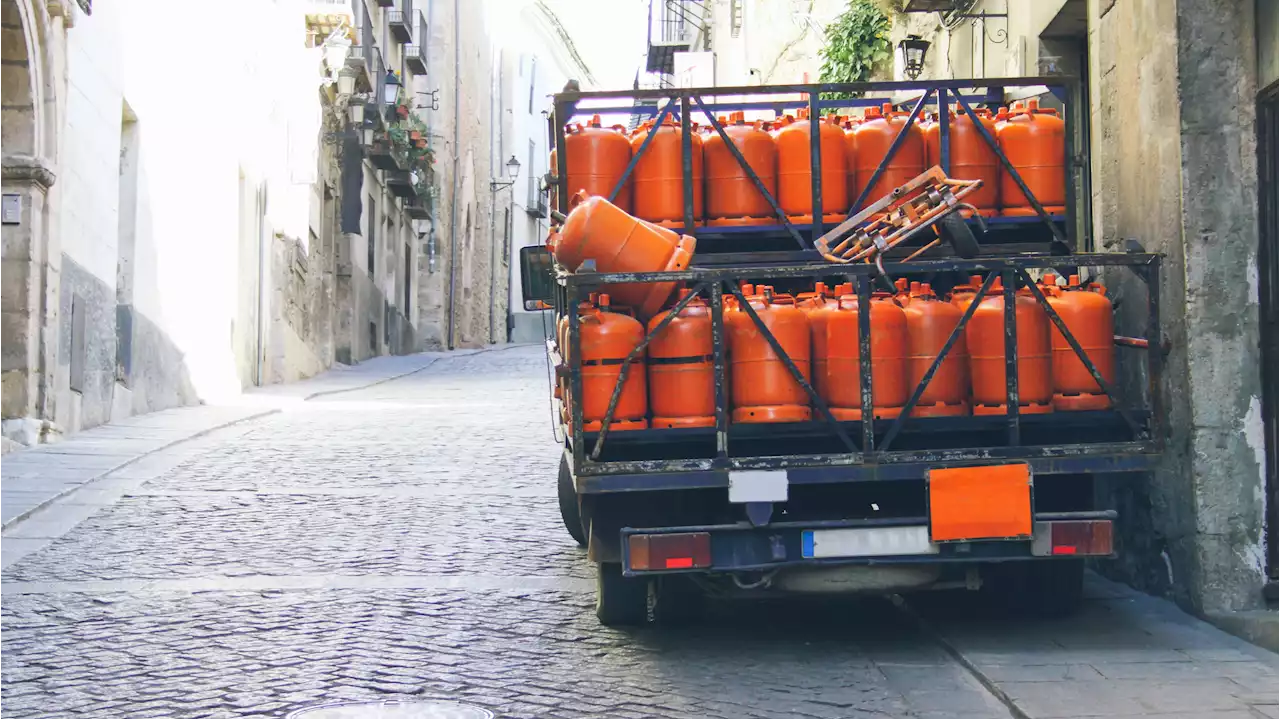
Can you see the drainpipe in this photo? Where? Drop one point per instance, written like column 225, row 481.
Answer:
column 494, row 261
column 431, row 140
column 457, row 123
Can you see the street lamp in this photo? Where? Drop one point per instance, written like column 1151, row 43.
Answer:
column 913, row 49
column 513, row 172
column 346, row 83
column 355, row 111
column 390, row 88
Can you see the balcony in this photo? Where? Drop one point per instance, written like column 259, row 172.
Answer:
column 418, row 208
column 674, row 26
column 415, row 56
column 362, row 56
column 386, row 156
column 400, row 183
column 400, row 22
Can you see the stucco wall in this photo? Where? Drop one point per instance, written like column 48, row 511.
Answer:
column 458, row 265
column 1173, row 167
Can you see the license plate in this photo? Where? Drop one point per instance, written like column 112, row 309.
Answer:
column 757, row 486
column 866, row 542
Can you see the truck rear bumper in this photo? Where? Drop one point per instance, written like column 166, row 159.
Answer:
column 737, row 548
column 614, row 477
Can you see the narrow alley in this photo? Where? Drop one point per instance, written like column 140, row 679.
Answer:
column 402, row 541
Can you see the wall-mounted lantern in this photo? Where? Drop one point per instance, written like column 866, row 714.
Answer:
column 513, row 172
column 913, row 48
column 390, row 88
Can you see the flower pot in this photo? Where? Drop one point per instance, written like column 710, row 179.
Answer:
column 402, row 110
column 415, row 135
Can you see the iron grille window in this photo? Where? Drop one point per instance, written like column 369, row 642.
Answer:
column 535, row 194
column 408, row 278
column 533, row 80
column 372, row 230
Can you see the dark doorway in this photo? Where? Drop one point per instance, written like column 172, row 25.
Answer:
column 1268, row 118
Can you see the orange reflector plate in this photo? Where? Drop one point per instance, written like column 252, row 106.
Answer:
column 980, row 503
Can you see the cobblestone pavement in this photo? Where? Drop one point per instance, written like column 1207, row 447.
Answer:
column 403, row 541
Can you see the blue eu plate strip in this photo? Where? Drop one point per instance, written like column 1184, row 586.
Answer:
column 806, row 544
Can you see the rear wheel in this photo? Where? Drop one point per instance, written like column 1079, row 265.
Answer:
column 620, row 601
column 1043, row 588
column 675, row 599
column 958, row 234
column 570, row 513
column 1055, row 588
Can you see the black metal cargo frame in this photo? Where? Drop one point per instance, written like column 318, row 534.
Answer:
column 869, row 446
column 865, row 448
column 682, row 101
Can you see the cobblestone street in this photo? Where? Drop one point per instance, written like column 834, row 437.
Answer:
column 403, row 540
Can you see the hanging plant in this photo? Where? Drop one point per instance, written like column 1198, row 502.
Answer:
column 857, row 45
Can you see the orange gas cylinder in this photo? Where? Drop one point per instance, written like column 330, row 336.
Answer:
column 889, row 389
column 902, row 290
column 659, row 176
column 595, row 159
column 779, row 123
column 795, row 191
column 984, row 336
column 1086, row 312
column 1034, row 140
column 876, row 133
column 732, row 198
column 597, row 229
column 851, row 158
column 606, row 339
column 819, row 312
column 929, row 130
column 763, row 389
column 962, row 295
column 971, row 157
column 682, row 390
column 562, row 325
column 929, row 323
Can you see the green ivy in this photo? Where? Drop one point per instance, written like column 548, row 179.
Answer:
column 857, row 44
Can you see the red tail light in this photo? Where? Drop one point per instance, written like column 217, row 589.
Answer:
column 1081, row 538
column 656, row 552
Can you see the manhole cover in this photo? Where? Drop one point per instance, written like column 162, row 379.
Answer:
column 393, row 710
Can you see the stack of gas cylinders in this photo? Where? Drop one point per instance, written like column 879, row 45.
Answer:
column 1032, row 138
column 672, row 383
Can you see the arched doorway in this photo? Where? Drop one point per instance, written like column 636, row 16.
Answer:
column 30, row 260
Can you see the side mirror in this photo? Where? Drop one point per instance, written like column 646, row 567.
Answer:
column 536, row 283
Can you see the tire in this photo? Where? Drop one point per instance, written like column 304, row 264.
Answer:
column 675, row 600
column 1054, row 588
column 958, row 234
column 1049, row 589
column 620, row 601
column 570, row 513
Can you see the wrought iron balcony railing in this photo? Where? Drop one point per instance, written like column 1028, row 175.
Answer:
column 415, row 55
column 400, row 21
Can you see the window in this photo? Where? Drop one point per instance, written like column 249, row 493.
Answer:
column 534, row 193
column 533, row 80
column 372, row 224
column 408, row 279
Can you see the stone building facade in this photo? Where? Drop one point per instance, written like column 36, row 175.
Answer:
column 186, row 229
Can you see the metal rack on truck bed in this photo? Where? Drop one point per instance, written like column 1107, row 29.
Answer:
column 817, row 505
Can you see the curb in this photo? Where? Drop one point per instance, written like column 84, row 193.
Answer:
column 247, row 418
column 954, row 652
column 72, row 490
